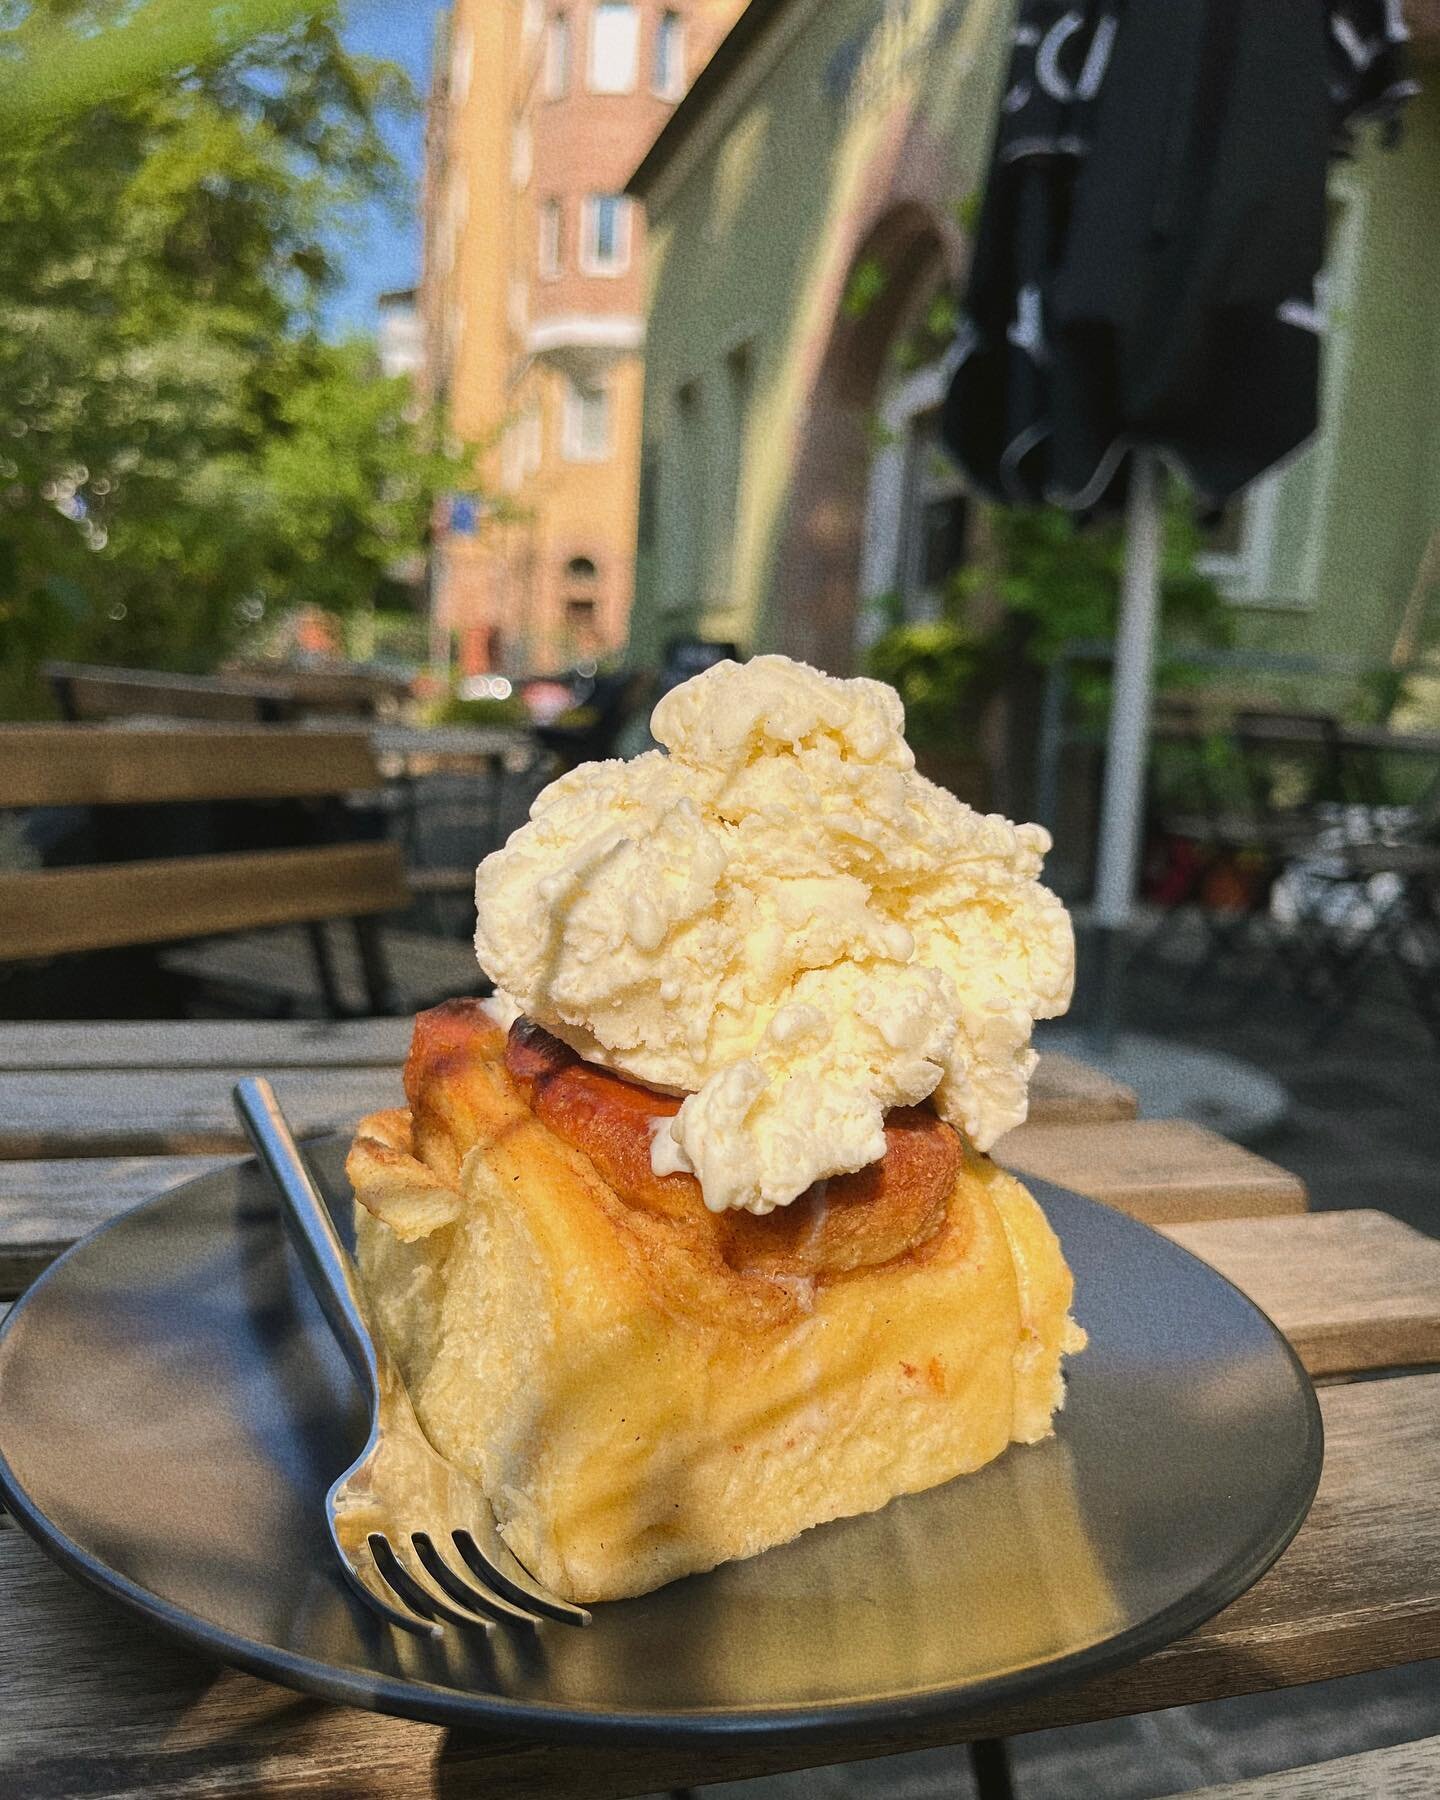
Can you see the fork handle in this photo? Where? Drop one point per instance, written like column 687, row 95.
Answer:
column 326, row 1261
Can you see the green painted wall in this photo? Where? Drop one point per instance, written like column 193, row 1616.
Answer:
column 1356, row 511
column 754, row 248
column 753, row 245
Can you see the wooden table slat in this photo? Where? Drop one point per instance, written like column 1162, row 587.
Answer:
column 182, row 1112
column 1165, row 1171
column 84, row 1687
column 1352, row 1291
column 1066, row 1092
column 309, row 1044
column 143, row 1109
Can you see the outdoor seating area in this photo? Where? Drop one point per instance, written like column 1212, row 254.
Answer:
column 319, row 869
column 719, row 900
column 99, row 1117
column 1302, row 842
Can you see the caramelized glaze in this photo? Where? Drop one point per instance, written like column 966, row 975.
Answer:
column 850, row 1222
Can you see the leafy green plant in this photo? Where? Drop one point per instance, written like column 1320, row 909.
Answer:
column 1063, row 576
column 940, row 671
column 1057, row 580
column 931, row 336
column 868, row 282
column 455, row 711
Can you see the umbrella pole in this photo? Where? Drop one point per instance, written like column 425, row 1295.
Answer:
column 1123, row 805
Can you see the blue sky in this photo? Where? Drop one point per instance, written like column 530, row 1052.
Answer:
column 385, row 254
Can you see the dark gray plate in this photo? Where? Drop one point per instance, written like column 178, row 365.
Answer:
column 172, row 1410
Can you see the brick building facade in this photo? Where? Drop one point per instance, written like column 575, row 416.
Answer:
column 533, row 305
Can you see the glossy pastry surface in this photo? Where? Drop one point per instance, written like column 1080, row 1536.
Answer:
column 646, row 1387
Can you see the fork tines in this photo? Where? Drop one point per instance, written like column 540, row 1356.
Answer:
column 433, row 1592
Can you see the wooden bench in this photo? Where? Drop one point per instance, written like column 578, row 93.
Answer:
column 89, row 693
column 54, row 912
column 90, row 1698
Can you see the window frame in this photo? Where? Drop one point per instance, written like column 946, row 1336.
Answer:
column 550, row 238
column 591, row 263
column 462, row 66
column 598, row 14
column 517, row 305
column 574, row 447
column 522, row 153
column 559, row 57
column 668, row 83
column 532, row 437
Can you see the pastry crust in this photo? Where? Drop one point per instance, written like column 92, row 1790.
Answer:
column 644, row 1389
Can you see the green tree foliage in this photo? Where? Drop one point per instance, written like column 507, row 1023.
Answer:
column 1063, row 576
column 180, row 449
column 940, row 670
column 1058, row 582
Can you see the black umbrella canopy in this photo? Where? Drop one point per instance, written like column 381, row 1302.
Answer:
column 1147, row 265
column 1146, row 283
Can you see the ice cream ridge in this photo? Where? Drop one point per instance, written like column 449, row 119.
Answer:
column 686, row 1241
column 776, row 917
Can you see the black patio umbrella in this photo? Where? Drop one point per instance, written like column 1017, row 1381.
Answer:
column 1146, row 280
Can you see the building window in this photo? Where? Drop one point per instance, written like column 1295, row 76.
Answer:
column 668, row 78
column 649, row 503
column 727, row 468
column 557, row 57
column 552, row 223
column 581, row 568
column 587, row 422
column 581, row 621
column 512, row 471
column 605, row 235
column 1266, row 549
column 683, row 502
column 522, row 153
column 614, row 47
column 533, row 18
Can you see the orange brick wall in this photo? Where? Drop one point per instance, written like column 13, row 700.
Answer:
column 482, row 295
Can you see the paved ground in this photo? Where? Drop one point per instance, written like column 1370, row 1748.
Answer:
column 1363, row 1122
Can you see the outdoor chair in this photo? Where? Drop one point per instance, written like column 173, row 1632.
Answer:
column 1372, row 896
column 1209, row 864
column 1307, row 800
column 194, row 834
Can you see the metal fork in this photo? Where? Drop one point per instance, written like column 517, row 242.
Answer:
column 415, row 1536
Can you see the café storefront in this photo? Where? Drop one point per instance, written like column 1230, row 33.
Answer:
column 810, row 205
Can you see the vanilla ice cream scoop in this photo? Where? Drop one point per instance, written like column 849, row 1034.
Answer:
column 781, row 920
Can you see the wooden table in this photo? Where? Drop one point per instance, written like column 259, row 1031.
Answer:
column 94, row 1119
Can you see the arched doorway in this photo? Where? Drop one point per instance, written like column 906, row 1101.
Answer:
column 853, row 498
